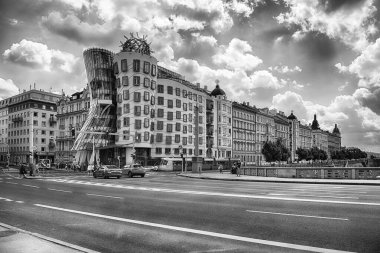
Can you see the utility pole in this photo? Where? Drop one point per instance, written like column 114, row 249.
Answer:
column 31, row 139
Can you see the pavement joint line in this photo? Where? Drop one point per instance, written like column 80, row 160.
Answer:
column 105, row 196
column 199, row 232
column 239, row 195
column 49, row 239
column 299, row 215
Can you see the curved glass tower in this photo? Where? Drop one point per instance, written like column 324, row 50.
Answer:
column 102, row 114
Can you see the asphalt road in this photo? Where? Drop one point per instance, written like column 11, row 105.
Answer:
column 166, row 213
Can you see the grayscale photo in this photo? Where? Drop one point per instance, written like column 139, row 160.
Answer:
column 189, row 126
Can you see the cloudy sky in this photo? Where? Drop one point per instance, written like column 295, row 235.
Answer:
column 309, row 56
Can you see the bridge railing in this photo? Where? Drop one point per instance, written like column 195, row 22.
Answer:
column 313, row 172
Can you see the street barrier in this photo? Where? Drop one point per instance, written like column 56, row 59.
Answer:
column 314, row 172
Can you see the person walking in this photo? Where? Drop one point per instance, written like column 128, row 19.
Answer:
column 22, row 171
column 220, row 168
column 238, row 170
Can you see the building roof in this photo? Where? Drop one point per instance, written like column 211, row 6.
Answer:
column 217, row 91
column 315, row 124
column 292, row 116
column 336, row 130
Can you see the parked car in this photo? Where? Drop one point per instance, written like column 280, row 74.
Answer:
column 107, row 171
column 133, row 170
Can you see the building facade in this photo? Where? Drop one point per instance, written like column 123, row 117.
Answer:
column 72, row 113
column 265, row 131
column 282, row 128
column 32, row 125
column 334, row 140
column 4, row 147
column 244, row 133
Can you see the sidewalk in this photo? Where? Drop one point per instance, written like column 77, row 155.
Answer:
column 13, row 172
column 227, row 176
column 15, row 240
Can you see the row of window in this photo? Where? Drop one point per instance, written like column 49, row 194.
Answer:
column 136, row 82
column 159, row 137
column 185, row 93
column 32, row 105
column 26, row 140
column 168, row 151
column 26, row 132
column 20, row 149
column 147, row 67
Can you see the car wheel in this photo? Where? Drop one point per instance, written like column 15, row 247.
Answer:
column 143, row 175
column 118, row 177
column 129, row 174
column 105, row 176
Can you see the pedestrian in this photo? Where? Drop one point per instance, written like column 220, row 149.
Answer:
column 220, row 168
column 21, row 172
column 238, row 170
column 31, row 172
column 66, row 167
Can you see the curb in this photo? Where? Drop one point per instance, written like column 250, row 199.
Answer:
column 46, row 238
column 281, row 181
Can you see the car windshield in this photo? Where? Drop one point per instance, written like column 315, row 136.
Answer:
column 137, row 166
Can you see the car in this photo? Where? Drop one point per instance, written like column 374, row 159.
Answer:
column 133, row 170
column 107, row 171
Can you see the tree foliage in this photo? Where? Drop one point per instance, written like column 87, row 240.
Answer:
column 275, row 151
column 348, row 153
column 311, row 154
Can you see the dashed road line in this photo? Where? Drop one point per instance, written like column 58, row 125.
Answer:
column 11, row 183
column 57, row 190
column 28, row 185
column 104, row 196
column 299, row 215
column 199, row 232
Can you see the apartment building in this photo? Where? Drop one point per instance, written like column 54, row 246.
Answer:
column 4, row 147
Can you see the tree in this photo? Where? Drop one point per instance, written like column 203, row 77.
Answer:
column 275, row 151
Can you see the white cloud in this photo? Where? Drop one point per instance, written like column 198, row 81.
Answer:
column 236, row 56
column 13, row 21
column 265, row 79
column 210, row 40
column 183, row 23
column 283, row 69
column 352, row 27
column 7, row 88
column 38, row 55
column 244, row 7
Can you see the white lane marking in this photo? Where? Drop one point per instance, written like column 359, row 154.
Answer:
column 198, row 232
column 11, row 183
column 298, row 215
column 236, row 195
column 51, row 189
column 317, row 196
column 30, row 185
column 105, row 196
column 9, row 178
column 19, row 201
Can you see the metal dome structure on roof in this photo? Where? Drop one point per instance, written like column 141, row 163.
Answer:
column 136, row 44
column 292, row 116
column 336, row 130
column 217, row 91
column 315, row 124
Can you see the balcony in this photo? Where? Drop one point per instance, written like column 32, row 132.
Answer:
column 52, row 120
column 18, row 119
column 66, row 137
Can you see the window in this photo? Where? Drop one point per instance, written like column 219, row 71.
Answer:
column 153, row 70
column 137, row 96
column 43, row 115
column 146, row 95
column 126, row 94
column 200, row 143
column 168, row 141
column 190, row 128
column 124, row 65
column 190, row 106
column 158, row 151
column 51, row 132
column 167, row 150
column 136, row 81
column 119, row 98
column 125, row 81
column 200, row 129
column 146, row 122
column 170, row 115
column 138, row 137
column 137, row 124
column 178, row 103
column 184, row 142
column 153, row 85
column 185, row 106
column 160, row 100
column 178, row 92
column 178, row 115
column 177, row 138
column 126, row 121
column 159, row 137
column 137, row 110
column 184, row 129
column 190, row 95
column 43, row 132
column 43, row 140
column 118, row 82
column 184, row 93
column 170, row 90
column 146, row 109
column 195, row 97
column 146, row 82
column 146, row 67
column 178, row 126
column 190, row 117
column 200, row 120
column 151, row 126
column 160, row 88
column 136, row 65
column 160, row 125
column 152, row 100
column 146, row 136
column 126, row 135
column 160, row 113
column 43, row 123
column 126, row 108
column 115, row 68
column 169, row 128
column 119, row 111
column 200, row 99
column 170, row 103
column 152, row 113
column 35, row 114
column 185, row 118
column 190, row 140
